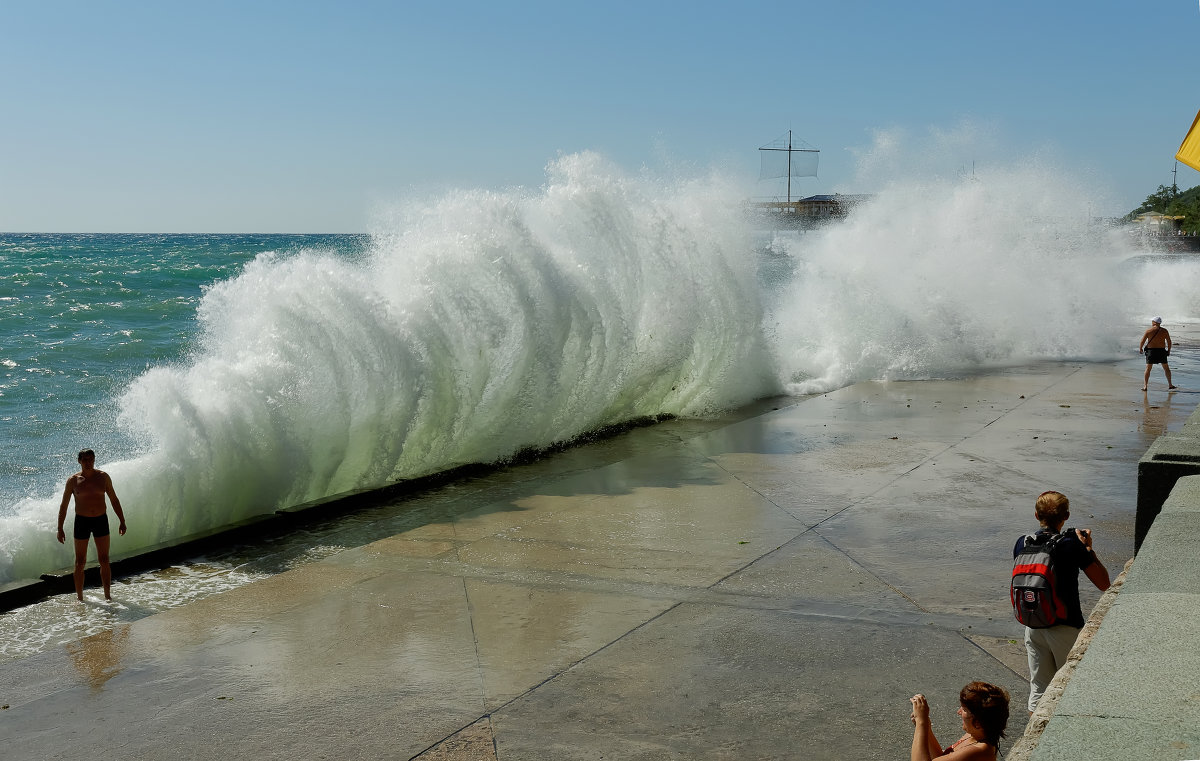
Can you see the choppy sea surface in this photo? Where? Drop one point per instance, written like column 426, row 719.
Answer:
column 83, row 316
column 223, row 376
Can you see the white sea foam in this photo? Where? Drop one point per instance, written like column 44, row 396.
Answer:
column 62, row 619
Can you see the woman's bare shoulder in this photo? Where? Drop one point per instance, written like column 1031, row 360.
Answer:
column 979, row 751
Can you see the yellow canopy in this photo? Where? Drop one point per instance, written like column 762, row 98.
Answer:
column 1189, row 151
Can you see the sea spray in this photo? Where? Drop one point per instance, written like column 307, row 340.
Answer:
column 949, row 275
column 480, row 325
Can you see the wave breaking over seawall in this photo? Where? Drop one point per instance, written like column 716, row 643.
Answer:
column 475, row 327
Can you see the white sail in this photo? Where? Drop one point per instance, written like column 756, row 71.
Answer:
column 775, row 162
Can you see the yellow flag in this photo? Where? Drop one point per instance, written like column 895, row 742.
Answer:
column 1189, row 151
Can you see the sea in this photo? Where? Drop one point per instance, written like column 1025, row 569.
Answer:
column 223, row 376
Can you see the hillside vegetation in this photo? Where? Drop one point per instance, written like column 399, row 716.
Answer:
column 1170, row 201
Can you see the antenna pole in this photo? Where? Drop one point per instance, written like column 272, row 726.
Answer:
column 1174, row 176
column 789, row 192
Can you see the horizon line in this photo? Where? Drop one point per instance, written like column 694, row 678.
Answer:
column 210, row 232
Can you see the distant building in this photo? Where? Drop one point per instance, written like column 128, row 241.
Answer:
column 1153, row 222
column 811, row 210
column 1163, row 232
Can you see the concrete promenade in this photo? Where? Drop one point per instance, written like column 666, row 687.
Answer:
column 773, row 585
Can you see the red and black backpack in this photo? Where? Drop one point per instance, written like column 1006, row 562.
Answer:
column 1035, row 600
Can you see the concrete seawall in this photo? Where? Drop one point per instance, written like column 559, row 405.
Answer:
column 1131, row 688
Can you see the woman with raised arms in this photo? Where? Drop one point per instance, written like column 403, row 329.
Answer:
column 983, row 708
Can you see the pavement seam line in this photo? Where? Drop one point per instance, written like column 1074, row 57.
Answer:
column 983, row 650
column 479, row 670
column 813, row 528
column 474, row 636
column 571, row 666
column 459, row 731
column 927, row 460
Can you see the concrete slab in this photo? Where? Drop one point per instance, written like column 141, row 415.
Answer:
column 1070, row 738
column 1185, row 497
column 1175, row 542
column 1137, row 671
column 809, row 571
column 731, row 683
column 188, row 683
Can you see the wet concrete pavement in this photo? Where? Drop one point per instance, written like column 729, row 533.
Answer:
column 773, row 585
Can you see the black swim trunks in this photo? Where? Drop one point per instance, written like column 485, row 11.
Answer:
column 88, row 525
column 1156, row 356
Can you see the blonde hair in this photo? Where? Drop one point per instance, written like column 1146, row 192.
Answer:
column 1052, row 507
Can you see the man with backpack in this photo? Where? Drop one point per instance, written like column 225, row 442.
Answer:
column 1045, row 589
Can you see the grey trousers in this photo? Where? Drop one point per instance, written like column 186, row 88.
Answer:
column 1047, row 650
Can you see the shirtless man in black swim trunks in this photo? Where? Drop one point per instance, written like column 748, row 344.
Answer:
column 89, row 487
column 1156, row 342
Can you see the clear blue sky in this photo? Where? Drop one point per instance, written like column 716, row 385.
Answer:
column 303, row 116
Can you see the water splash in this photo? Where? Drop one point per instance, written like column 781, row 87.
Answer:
column 942, row 275
column 475, row 327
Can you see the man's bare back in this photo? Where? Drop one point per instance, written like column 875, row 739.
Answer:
column 1156, row 337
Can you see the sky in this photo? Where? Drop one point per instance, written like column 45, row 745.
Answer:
column 255, row 116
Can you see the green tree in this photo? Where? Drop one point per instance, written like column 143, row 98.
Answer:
column 1170, row 201
column 1189, row 210
column 1158, row 201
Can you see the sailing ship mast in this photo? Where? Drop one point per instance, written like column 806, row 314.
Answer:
column 789, row 190
column 803, row 165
